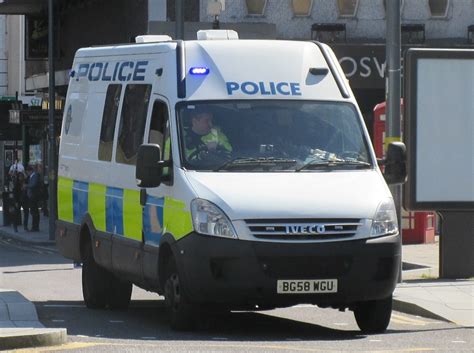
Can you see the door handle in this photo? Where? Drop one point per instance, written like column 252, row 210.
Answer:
column 143, row 196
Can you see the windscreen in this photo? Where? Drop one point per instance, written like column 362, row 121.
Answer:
column 271, row 136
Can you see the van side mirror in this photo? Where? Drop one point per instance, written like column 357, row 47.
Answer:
column 395, row 163
column 149, row 166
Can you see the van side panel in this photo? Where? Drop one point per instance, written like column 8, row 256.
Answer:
column 65, row 204
column 97, row 196
column 132, row 211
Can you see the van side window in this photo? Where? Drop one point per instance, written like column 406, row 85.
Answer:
column 109, row 118
column 159, row 131
column 159, row 119
column 132, row 122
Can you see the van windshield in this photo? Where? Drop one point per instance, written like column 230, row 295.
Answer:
column 271, row 136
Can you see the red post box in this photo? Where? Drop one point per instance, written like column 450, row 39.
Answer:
column 417, row 227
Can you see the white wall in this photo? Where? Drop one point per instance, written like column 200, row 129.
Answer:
column 156, row 10
column 3, row 56
column 15, row 52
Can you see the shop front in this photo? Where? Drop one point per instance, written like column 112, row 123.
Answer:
column 33, row 124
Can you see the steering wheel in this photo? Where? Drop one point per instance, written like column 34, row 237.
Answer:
column 197, row 153
column 204, row 154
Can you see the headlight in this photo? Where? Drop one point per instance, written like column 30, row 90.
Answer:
column 385, row 219
column 209, row 219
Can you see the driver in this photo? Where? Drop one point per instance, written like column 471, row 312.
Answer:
column 204, row 137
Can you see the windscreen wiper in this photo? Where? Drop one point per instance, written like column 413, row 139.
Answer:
column 319, row 164
column 254, row 162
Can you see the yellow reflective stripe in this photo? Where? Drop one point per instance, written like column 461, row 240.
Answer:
column 132, row 215
column 96, row 199
column 65, row 210
column 176, row 218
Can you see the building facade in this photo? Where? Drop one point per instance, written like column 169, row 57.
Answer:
column 355, row 29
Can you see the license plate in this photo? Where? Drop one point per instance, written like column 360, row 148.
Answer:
column 307, row 286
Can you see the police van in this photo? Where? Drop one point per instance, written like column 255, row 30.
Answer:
column 225, row 174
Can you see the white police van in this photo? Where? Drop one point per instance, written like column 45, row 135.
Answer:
column 257, row 183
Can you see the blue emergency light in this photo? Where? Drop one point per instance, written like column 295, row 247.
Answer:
column 199, row 70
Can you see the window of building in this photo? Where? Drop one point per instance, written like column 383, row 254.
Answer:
column 347, row 8
column 438, row 8
column 109, row 117
column 132, row 123
column 256, row 7
column 302, row 7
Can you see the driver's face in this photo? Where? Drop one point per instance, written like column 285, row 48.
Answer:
column 202, row 123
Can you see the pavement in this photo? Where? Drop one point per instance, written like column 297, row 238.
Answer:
column 420, row 293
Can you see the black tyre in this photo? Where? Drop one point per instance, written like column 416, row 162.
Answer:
column 119, row 293
column 180, row 311
column 95, row 281
column 374, row 316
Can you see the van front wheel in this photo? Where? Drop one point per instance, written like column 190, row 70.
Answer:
column 180, row 310
column 373, row 316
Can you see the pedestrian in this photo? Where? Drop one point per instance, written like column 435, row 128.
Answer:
column 16, row 167
column 33, row 193
column 43, row 198
column 17, row 180
column 24, row 203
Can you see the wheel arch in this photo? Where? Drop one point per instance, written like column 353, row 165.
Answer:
column 167, row 251
column 86, row 234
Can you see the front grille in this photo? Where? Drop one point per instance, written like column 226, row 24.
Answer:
column 303, row 229
column 301, row 267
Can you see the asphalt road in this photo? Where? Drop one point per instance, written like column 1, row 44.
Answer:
column 52, row 283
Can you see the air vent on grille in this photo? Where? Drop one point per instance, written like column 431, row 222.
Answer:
column 303, row 229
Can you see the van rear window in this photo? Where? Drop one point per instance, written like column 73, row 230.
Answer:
column 132, row 123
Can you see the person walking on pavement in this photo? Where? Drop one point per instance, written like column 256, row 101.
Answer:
column 18, row 186
column 33, row 193
column 24, row 203
column 15, row 168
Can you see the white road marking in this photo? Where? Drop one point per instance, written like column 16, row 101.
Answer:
column 375, row 340
column 458, row 341
column 63, row 306
column 341, row 324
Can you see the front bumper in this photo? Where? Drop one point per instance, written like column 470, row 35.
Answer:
column 236, row 273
